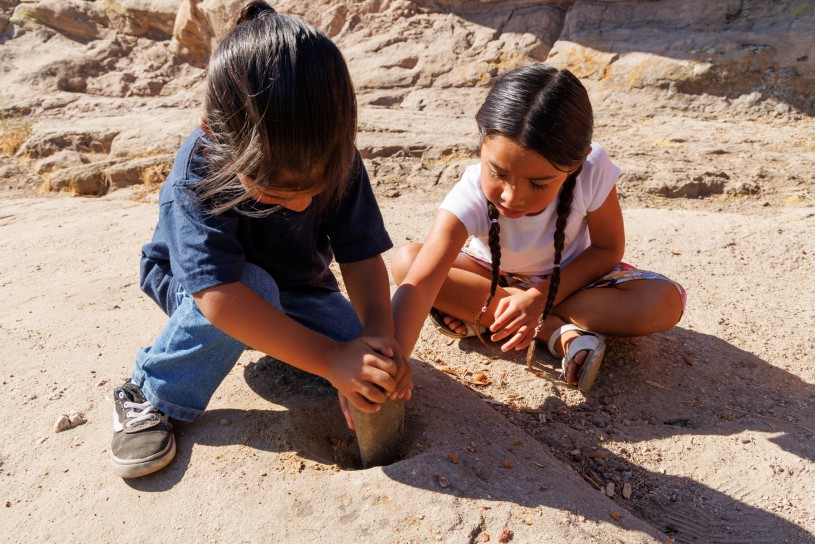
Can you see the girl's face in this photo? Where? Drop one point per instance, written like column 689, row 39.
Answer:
column 516, row 179
column 294, row 200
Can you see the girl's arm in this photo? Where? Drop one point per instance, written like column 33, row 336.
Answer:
column 414, row 297
column 369, row 290
column 607, row 247
column 354, row 368
column 607, row 234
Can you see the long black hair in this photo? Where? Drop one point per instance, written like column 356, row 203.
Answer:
column 548, row 111
column 279, row 100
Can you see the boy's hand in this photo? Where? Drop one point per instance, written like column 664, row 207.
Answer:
column 362, row 375
column 516, row 317
column 346, row 411
column 387, row 359
column 388, row 347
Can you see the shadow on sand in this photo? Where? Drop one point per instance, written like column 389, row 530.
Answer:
column 726, row 391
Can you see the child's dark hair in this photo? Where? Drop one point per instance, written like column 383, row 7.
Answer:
column 548, row 111
column 279, row 100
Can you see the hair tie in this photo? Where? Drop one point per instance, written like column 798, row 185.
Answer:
column 483, row 309
column 556, row 265
column 493, row 221
column 537, row 330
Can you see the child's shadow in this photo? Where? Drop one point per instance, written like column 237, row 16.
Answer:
column 682, row 382
column 307, row 421
column 685, row 384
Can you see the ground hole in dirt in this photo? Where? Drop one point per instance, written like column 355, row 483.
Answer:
column 316, row 429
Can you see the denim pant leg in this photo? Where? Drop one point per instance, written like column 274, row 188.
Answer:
column 323, row 311
column 190, row 358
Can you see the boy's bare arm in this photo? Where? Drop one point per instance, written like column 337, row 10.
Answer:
column 354, row 368
column 369, row 290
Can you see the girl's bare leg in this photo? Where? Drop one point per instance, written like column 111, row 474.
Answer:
column 632, row 308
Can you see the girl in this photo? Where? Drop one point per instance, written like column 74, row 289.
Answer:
column 546, row 239
column 259, row 201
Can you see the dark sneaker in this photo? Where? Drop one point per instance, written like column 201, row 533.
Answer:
column 142, row 436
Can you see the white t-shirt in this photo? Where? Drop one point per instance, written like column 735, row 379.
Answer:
column 527, row 243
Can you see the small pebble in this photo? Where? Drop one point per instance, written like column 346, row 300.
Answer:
column 224, row 422
column 627, row 491
column 610, row 489
column 69, row 421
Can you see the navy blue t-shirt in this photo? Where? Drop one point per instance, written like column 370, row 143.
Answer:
column 201, row 250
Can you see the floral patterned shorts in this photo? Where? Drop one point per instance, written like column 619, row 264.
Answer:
column 621, row 273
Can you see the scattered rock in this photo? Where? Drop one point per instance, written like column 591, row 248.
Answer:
column 74, row 18
column 69, row 421
column 66, row 158
column 627, row 491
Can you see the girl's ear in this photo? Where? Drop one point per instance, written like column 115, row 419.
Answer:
column 202, row 124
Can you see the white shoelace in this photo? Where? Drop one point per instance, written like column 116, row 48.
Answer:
column 140, row 412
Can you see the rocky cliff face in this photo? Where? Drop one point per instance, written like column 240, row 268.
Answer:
column 91, row 69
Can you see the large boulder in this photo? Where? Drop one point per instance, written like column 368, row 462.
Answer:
column 728, row 48
column 153, row 19
column 199, row 26
column 75, row 18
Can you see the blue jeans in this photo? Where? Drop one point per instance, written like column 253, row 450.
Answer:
column 190, row 358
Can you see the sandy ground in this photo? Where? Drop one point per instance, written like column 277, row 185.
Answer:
column 703, row 433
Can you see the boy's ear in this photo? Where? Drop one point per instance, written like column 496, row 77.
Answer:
column 202, row 124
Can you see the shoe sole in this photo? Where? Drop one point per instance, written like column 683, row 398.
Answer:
column 125, row 468
column 591, row 368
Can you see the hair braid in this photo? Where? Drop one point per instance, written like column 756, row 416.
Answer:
column 564, row 205
column 495, row 254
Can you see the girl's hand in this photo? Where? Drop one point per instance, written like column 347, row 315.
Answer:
column 361, row 375
column 388, row 347
column 516, row 317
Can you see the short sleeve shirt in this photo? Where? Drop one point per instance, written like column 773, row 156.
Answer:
column 527, row 243
column 202, row 250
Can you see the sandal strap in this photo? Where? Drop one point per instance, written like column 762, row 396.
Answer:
column 438, row 320
column 587, row 342
column 559, row 332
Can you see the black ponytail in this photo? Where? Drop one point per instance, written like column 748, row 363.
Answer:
column 279, row 105
column 253, row 10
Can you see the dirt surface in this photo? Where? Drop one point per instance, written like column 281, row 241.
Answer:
column 704, row 433
column 709, row 425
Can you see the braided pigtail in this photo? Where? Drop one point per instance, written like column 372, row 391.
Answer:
column 495, row 253
column 564, row 205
